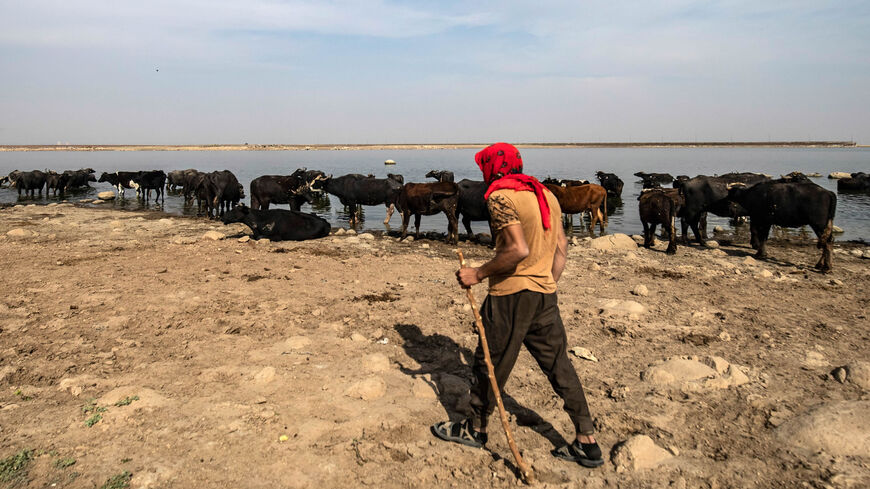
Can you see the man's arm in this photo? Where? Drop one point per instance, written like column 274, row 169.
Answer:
column 561, row 255
column 512, row 250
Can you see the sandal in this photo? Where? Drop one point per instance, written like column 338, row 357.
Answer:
column 586, row 454
column 461, row 433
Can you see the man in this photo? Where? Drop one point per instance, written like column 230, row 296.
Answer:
column 522, row 308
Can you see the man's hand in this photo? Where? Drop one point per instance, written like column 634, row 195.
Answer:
column 468, row 276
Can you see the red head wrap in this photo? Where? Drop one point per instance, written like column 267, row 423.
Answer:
column 502, row 167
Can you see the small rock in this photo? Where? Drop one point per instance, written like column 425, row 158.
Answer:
column 619, row 393
column 837, row 229
column 367, row 236
column 367, row 390
column 265, row 376
column 712, row 244
column 264, row 241
column 358, row 337
column 244, row 239
column 639, row 453
column 840, row 374
column 839, row 174
column 750, row 261
column 835, row 281
column 340, row 231
column 640, row 290
column 856, row 253
column 718, row 229
column 376, row 362
column 583, row 353
column 778, row 416
column 616, row 306
column 765, row 273
column 107, row 195
column 214, row 236
column 352, row 239
column 20, row 233
column 614, row 242
column 859, row 374
column 409, row 239
column 814, row 359
column 575, row 241
column 425, row 246
column 724, row 336
column 351, row 231
column 595, row 267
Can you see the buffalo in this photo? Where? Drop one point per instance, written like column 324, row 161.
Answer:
column 28, row 181
column 659, row 206
column 146, row 181
column 788, row 204
column 858, row 182
column 704, row 194
column 294, row 189
column 356, row 190
column 471, row 205
column 440, row 175
column 611, row 183
column 121, row 180
column 426, row 199
column 278, row 224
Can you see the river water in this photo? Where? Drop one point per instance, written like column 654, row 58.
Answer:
column 853, row 210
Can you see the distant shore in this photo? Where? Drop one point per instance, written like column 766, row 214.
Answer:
column 352, row 147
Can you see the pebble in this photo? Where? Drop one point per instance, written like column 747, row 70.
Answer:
column 244, row 239
column 425, row 246
column 616, row 306
column 835, row 281
column 750, row 261
column 639, row 453
column 21, row 233
column 340, row 231
column 358, row 337
column 765, row 274
column 718, row 229
column 107, row 195
column 367, row 236
column 814, row 359
column 264, row 241
column 583, row 353
column 613, row 242
column 595, row 267
column 640, row 290
column 265, row 376
column 837, row 229
column 712, row 244
column 351, row 231
column 859, row 374
column 214, row 235
column 840, row 374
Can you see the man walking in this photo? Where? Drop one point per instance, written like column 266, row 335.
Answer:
column 522, row 308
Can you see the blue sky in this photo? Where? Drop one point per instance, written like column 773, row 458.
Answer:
column 272, row 71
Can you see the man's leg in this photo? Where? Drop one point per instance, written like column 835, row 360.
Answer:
column 506, row 320
column 548, row 344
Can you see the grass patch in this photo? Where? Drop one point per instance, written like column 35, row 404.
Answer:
column 96, row 418
column 14, row 467
column 127, row 401
column 63, row 463
column 22, row 395
column 120, row 481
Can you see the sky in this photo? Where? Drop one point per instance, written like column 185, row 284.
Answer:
column 366, row 72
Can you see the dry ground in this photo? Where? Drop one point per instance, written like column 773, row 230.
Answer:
column 201, row 363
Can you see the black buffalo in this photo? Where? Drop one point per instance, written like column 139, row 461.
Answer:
column 146, row 181
column 472, row 204
column 657, row 206
column 859, row 182
column 73, row 179
column 28, row 181
column 177, row 178
column 53, row 182
column 611, row 183
column 440, row 175
column 356, row 190
column 294, row 189
column 564, row 182
column 220, row 190
column 278, row 224
column 655, row 177
column 788, row 204
column 704, row 194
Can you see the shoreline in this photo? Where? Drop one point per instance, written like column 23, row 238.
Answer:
column 358, row 147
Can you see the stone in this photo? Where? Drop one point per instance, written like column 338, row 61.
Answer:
column 838, row 428
column 265, row 376
column 425, row 246
column 367, row 236
column 616, row 306
column 718, row 229
column 182, row 240
column 694, row 373
column 839, row 174
column 583, row 353
column 358, row 337
column 639, row 453
column 352, row 239
column 814, row 359
column 840, row 374
column 368, row 389
column 351, row 231
column 859, row 374
column 837, row 229
column 765, row 273
column 214, row 235
column 21, row 233
column 376, row 362
column 595, row 267
column 244, row 239
column 640, row 291
column 340, row 231
column 638, row 239
column 750, row 261
column 856, row 253
column 613, row 242
column 107, row 195
column 712, row 244
column 836, row 282
column 264, row 241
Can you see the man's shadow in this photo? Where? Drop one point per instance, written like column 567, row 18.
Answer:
column 437, row 355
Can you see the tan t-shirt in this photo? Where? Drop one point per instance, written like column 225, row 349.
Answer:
column 535, row 272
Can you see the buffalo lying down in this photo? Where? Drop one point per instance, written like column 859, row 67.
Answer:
column 278, row 224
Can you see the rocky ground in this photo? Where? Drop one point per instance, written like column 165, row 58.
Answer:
column 151, row 351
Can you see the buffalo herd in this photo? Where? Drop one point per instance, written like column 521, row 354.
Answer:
column 790, row 201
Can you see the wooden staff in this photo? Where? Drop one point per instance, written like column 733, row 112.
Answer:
column 525, row 470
